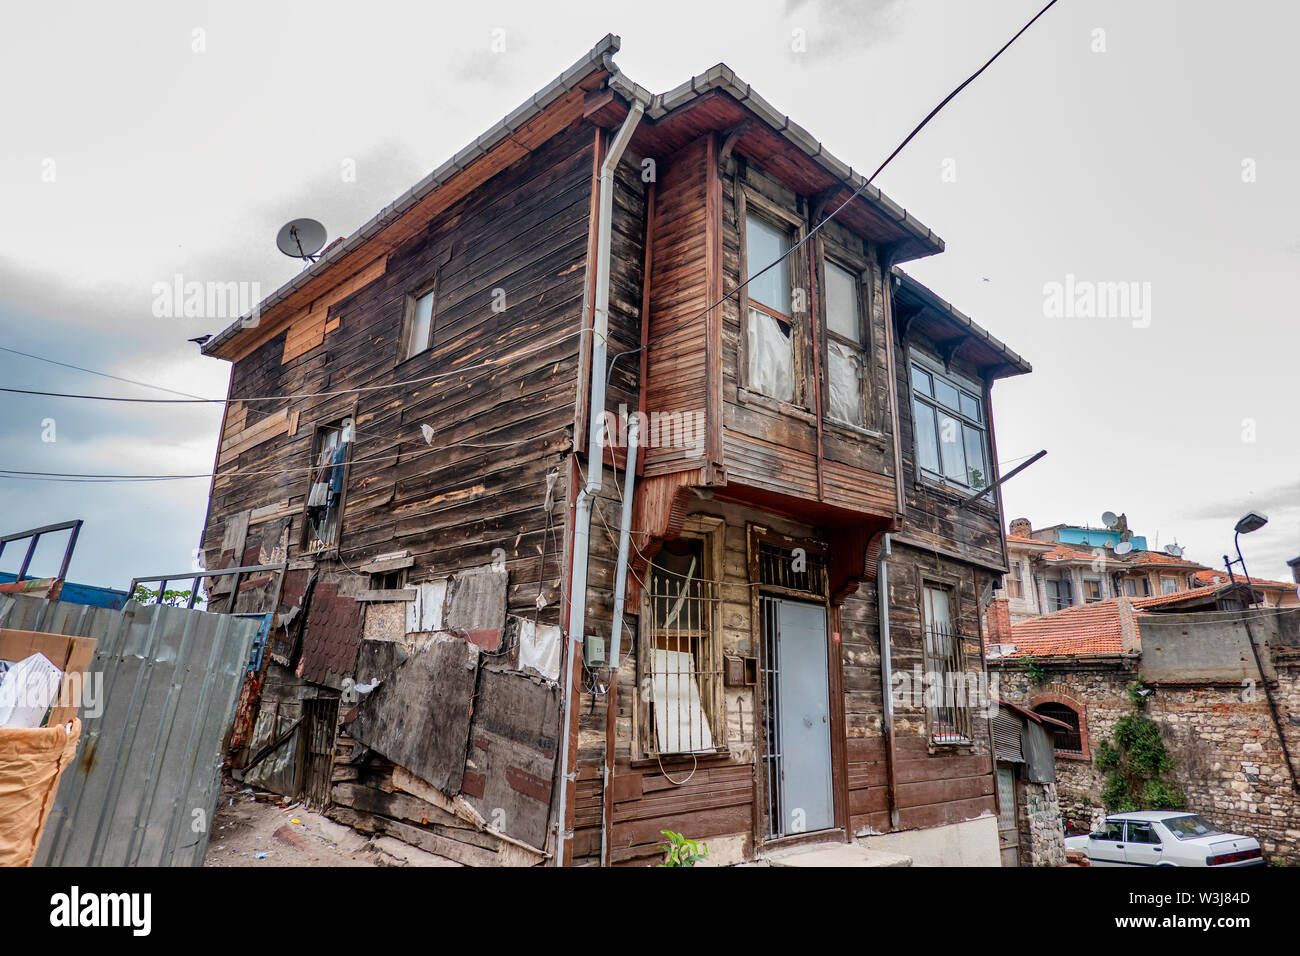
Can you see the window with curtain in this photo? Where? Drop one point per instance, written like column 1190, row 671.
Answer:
column 770, row 320
column 846, row 359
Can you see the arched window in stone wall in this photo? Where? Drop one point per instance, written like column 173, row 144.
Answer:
column 1069, row 742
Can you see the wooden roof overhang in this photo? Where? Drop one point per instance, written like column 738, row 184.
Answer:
column 361, row 257
column 918, row 309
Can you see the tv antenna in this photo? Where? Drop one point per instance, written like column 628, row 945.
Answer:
column 1174, row 549
column 301, row 239
column 1124, row 547
column 1110, row 519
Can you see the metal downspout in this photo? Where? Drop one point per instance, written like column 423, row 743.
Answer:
column 595, row 456
column 886, row 668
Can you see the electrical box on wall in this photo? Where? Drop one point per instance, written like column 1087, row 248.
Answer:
column 593, row 651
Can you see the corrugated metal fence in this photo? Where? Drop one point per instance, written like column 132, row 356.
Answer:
column 161, row 697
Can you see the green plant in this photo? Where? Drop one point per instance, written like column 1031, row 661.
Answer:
column 679, row 851
column 1135, row 761
column 1034, row 670
column 144, row 595
column 1138, row 692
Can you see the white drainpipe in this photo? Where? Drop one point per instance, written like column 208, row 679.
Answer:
column 595, row 453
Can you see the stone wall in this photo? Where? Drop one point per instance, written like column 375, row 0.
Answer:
column 1042, row 841
column 1228, row 759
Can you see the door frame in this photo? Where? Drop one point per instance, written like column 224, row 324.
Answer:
column 757, row 535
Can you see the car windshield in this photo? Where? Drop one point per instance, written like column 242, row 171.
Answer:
column 1190, row 827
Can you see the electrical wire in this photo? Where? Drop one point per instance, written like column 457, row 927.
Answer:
column 91, row 371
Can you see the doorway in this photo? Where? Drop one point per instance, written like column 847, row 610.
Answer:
column 798, row 717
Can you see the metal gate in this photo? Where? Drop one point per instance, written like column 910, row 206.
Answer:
column 795, row 679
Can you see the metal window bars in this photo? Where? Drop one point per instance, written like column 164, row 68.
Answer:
column 1063, row 741
column 948, row 704
column 682, row 663
column 780, row 567
column 770, row 670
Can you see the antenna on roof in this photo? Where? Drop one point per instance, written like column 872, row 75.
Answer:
column 1174, row 549
column 1124, row 547
column 1110, row 519
column 301, row 239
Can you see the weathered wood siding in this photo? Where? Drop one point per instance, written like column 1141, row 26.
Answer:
column 525, row 234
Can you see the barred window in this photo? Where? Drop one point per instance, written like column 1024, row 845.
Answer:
column 1063, row 741
column 949, row 708
column 681, row 661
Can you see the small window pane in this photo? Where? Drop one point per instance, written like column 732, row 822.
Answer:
column 921, row 380
column 771, row 357
column 764, row 244
column 927, row 438
column 947, row 394
column 977, row 475
column 951, row 448
column 842, row 302
column 970, row 406
column 421, row 320
column 844, row 369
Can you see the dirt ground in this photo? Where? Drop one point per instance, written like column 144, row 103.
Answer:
column 254, row 828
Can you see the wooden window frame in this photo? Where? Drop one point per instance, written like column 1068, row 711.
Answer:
column 316, row 447
column 710, row 529
column 962, row 383
column 408, row 319
column 935, row 579
column 797, row 227
column 1084, row 754
column 860, row 269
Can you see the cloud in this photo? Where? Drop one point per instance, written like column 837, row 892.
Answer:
column 836, row 27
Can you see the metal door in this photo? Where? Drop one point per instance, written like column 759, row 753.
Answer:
column 798, row 718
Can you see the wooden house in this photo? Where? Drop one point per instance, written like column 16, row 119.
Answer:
column 415, row 427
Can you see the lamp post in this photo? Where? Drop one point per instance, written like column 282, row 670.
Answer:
column 1251, row 521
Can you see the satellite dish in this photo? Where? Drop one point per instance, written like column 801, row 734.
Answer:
column 1109, row 519
column 1174, row 549
column 1124, row 547
column 301, row 238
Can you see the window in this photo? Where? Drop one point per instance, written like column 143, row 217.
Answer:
column 1142, row 833
column 1130, row 587
column 1063, row 741
column 1168, row 585
column 770, row 327
column 1058, row 594
column 1091, row 590
column 325, row 492
column 680, row 656
column 1112, row 830
column 949, row 415
column 949, row 710
column 419, row 323
column 1015, row 585
column 846, row 360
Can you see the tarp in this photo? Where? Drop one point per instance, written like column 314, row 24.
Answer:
column 31, row 762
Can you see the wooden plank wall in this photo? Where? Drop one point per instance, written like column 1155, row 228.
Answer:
column 776, row 450
column 524, row 233
column 676, row 380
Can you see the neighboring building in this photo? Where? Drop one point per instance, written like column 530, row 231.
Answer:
column 1271, row 593
column 1227, row 722
column 428, row 460
column 1064, row 566
column 1030, row 830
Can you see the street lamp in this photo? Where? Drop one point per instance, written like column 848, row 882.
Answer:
column 1251, row 521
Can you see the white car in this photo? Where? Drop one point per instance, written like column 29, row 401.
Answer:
column 1165, row 838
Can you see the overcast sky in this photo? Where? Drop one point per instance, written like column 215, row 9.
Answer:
column 1152, row 143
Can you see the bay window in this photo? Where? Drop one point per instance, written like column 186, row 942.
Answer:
column 950, row 426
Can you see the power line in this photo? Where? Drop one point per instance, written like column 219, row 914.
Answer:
column 91, row 371
column 840, row 208
column 486, row 363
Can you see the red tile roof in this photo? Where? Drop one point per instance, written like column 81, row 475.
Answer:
column 1211, row 576
column 1086, row 629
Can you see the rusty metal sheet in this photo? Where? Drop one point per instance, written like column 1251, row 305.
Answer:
column 419, row 717
column 513, row 743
